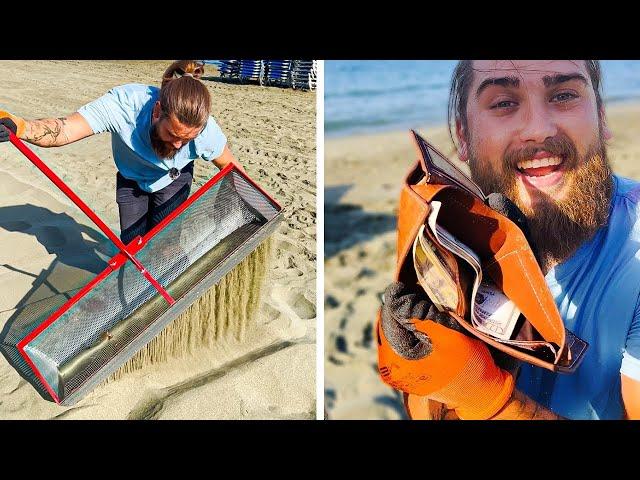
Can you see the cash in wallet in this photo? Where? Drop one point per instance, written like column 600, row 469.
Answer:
column 477, row 265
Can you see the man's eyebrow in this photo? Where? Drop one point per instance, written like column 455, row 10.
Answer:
column 513, row 82
column 552, row 81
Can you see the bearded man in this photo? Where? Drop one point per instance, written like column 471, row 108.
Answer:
column 536, row 132
column 156, row 134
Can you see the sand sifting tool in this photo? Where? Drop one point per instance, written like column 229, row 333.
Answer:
column 67, row 347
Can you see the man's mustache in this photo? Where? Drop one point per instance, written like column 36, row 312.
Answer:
column 162, row 149
column 558, row 146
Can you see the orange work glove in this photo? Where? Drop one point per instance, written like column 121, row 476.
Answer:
column 422, row 351
column 7, row 121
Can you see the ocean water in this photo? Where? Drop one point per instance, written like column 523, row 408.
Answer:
column 366, row 96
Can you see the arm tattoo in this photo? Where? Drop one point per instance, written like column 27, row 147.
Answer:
column 47, row 132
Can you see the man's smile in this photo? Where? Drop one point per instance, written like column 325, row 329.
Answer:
column 542, row 170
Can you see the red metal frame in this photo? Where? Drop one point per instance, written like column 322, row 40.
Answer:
column 87, row 211
column 121, row 258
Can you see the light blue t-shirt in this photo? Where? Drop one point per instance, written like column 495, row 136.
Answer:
column 597, row 291
column 126, row 111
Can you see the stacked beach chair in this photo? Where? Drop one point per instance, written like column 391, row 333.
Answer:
column 278, row 72
column 297, row 74
column 229, row 68
column 304, row 74
column 251, row 70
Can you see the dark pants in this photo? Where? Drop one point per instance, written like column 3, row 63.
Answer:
column 140, row 211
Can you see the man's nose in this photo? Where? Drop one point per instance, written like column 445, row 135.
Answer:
column 538, row 124
column 177, row 144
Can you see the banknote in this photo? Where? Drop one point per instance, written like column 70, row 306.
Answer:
column 433, row 274
column 494, row 313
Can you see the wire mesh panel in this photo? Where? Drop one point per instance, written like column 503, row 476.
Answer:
column 69, row 349
column 22, row 322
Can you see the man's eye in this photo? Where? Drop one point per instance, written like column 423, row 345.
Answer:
column 503, row 104
column 563, row 97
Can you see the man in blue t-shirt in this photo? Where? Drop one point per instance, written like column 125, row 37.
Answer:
column 156, row 134
column 536, row 132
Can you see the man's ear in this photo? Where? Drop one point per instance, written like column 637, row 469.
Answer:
column 463, row 149
column 157, row 111
column 603, row 122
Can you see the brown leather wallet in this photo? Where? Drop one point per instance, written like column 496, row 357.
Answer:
column 506, row 258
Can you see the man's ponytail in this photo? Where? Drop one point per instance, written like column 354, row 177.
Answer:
column 183, row 95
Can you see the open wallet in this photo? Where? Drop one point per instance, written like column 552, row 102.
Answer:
column 476, row 264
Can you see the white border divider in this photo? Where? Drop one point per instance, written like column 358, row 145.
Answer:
column 320, row 242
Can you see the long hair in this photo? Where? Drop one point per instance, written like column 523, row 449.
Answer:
column 183, row 95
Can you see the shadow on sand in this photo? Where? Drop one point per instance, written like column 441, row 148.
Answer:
column 347, row 225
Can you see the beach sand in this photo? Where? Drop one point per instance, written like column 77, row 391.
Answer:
column 363, row 175
column 50, row 248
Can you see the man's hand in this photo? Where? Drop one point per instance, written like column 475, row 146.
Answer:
column 225, row 158
column 10, row 122
column 6, row 124
column 445, row 365
column 423, row 352
column 401, row 307
column 413, row 343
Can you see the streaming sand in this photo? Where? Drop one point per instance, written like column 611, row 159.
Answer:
column 363, row 175
column 261, row 368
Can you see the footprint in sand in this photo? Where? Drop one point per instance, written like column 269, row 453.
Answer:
column 270, row 312
column 331, row 301
column 296, row 302
column 302, row 307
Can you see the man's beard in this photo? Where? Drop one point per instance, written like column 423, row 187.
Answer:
column 557, row 228
column 162, row 149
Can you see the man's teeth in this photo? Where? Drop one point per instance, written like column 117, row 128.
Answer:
column 539, row 162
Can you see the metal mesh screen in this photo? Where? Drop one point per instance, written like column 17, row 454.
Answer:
column 105, row 320
column 22, row 322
